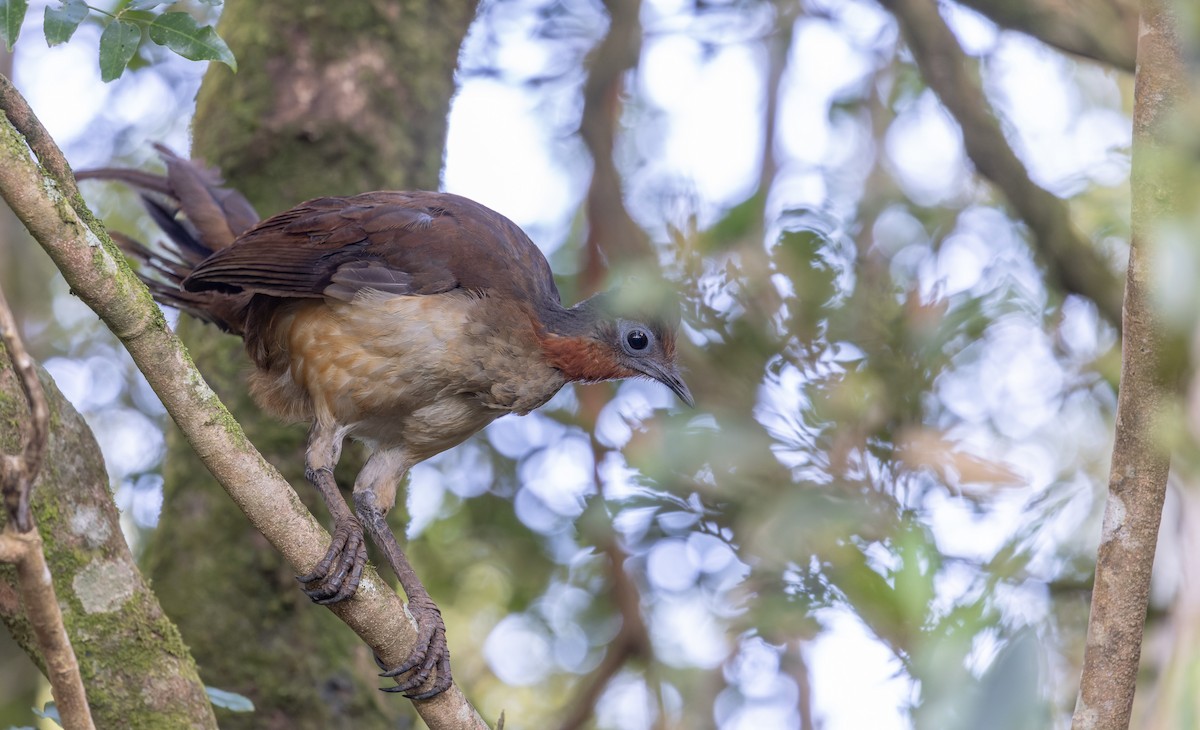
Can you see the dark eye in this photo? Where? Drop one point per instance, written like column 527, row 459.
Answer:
column 637, row 340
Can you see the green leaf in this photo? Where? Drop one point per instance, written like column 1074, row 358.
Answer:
column 118, row 43
column 144, row 4
column 60, row 23
column 12, row 14
column 229, row 700
column 49, row 712
column 180, row 33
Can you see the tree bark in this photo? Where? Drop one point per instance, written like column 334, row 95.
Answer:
column 1163, row 183
column 332, row 100
column 136, row 668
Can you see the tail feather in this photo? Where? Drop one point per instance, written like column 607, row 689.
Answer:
column 186, row 241
column 199, row 217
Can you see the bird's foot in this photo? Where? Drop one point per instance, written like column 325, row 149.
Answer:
column 337, row 576
column 430, row 654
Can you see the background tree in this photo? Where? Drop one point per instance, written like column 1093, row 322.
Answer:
column 900, row 231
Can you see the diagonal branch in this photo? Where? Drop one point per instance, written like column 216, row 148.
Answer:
column 1102, row 30
column 21, row 115
column 1163, row 181
column 100, row 276
column 1069, row 258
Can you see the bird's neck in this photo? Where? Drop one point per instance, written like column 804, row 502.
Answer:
column 582, row 320
column 572, row 342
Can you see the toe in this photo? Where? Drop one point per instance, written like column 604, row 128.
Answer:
column 428, row 666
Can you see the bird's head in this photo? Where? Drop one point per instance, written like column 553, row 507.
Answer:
column 604, row 342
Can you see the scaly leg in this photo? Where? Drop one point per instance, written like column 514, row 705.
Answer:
column 337, row 576
column 377, row 482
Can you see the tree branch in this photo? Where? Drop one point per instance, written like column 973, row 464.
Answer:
column 21, row 545
column 39, row 140
column 1162, row 182
column 631, row 642
column 99, row 275
column 612, row 233
column 1068, row 257
column 41, row 607
column 1102, row 30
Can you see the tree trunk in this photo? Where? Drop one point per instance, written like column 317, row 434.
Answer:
column 136, row 668
column 329, row 100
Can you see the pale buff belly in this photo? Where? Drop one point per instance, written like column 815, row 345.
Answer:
column 421, row 372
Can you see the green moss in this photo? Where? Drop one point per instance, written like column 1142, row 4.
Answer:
column 147, row 634
column 125, row 655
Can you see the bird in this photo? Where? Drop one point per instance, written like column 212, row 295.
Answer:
column 405, row 320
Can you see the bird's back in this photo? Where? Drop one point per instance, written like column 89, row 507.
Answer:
column 410, row 243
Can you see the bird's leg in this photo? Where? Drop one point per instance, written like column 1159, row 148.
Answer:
column 336, row 577
column 374, row 494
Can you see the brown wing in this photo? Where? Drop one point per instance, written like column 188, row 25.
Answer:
column 400, row 243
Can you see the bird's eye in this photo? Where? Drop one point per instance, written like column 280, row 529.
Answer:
column 637, row 340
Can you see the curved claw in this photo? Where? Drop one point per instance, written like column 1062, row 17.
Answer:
column 441, row 682
column 337, row 576
column 429, row 654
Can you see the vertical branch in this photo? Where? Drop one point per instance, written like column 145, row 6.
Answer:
column 778, row 44
column 1140, row 462
column 612, row 234
column 17, row 474
column 22, row 545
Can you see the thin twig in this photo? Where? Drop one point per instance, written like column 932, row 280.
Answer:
column 631, row 642
column 41, row 607
column 21, row 545
column 1163, row 179
column 797, row 666
column 1070, row 259
column 17, row 475
column 97, row 272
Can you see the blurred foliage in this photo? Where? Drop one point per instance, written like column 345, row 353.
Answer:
column 901, row 427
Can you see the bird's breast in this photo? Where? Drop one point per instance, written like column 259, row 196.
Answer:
column 424, row 371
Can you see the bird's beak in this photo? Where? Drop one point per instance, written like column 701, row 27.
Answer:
column 669, row 376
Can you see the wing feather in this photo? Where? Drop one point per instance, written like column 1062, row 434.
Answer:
column 416, row 243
